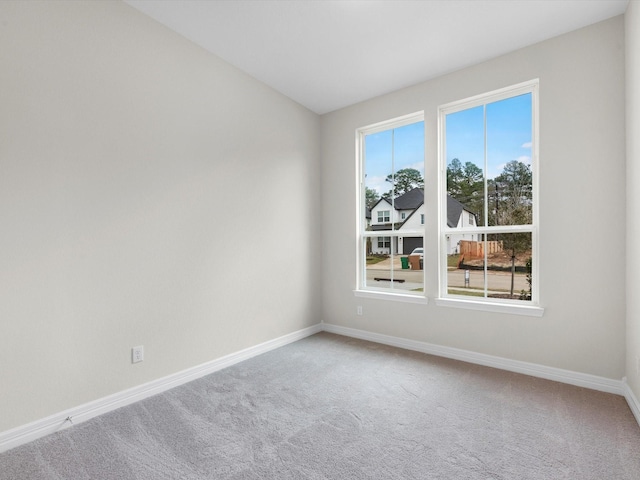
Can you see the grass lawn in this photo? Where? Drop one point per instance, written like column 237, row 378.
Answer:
column 373, row 259
column 468, row 293
column 452, row 260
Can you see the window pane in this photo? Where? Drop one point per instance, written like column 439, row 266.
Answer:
column 394, row 197
column 509, row 266
column 465, row 266
column 496, row 267
column 509, row 175
column 377, row 160
column 393, row 167
column 400, row 268
column 408, row 160
column 465, row 166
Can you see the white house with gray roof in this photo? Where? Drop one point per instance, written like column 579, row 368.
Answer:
column 459, row 216
column 406, row 214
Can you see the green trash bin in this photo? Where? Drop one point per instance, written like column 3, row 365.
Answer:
column 405, row 263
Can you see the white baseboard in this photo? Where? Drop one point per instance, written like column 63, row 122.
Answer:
column 564, row 376
column 32, row 431
column 632, row 400
column 59, row 421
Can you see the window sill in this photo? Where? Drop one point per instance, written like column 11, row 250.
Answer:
column 513, row 309
column 531, row 311
column 395, row 297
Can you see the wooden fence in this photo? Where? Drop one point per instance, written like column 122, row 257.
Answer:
column 470, row 249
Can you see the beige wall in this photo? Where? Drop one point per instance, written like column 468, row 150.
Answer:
column 582, row 209
column 632, row 29
column 142, row 185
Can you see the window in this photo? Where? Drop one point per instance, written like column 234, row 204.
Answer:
column 487, row 233
column 391, row 183
column 488, row 158
column 384, row 216
column 384, row 242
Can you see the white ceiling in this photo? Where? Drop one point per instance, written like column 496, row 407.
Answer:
column 327, row 54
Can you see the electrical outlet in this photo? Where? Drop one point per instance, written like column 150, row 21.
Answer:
column 137, row 354
column 359, row 310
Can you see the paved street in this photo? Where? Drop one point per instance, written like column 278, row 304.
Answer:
column 498, row 282
column 413, row 279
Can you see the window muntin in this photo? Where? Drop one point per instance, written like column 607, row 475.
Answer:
column 488, row 150
column 384, row 216
column 391, row 166
column 384, row 242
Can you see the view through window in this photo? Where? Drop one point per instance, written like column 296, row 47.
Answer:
column 488, row 229
column 392, row 216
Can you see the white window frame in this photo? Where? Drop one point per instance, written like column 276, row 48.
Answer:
column 386, row 242
column 384, row 214
column 363, row 290
column 523, row 307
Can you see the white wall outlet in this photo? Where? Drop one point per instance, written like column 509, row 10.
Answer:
column 359, row 310
column 137, row 354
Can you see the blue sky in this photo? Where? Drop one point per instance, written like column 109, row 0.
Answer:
column 508, row 138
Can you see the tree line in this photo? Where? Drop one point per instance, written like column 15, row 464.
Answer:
column 509, row 195
column 404, row 180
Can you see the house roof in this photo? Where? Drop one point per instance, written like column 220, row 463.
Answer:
column 407, row 201
column 382, row 226
column 381, row 199
column 454, row 210
column 412, row 199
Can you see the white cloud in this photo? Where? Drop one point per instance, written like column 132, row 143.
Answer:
column 524, row 159
column 379, row 184
column 495, row 171
column 526, row 145
column 417, row 166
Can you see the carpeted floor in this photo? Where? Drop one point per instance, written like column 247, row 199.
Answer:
column 330, row 407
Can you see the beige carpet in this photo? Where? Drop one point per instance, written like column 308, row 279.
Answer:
column 330, row 407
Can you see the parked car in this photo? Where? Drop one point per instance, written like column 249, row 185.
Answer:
column 418, row 251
